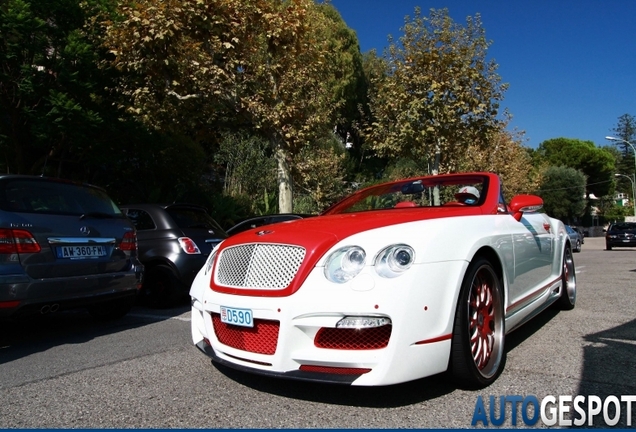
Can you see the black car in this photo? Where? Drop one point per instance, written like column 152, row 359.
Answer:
column 620, row 234
column 174, row 242
column 64, row 245
column 259, row 221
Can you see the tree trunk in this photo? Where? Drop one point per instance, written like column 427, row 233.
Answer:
column 285, row 194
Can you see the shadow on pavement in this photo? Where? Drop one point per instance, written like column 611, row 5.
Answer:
column 37, row 333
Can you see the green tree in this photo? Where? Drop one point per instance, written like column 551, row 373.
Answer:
column 439, row 93
column 248, row 166
column 319, row 175
column 625, row 130
column 49, row 110
column 347, row 85
column 563, row 192
column 596, row 163
column 191, row 64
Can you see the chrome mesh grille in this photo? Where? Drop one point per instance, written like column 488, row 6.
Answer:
column 262, row 266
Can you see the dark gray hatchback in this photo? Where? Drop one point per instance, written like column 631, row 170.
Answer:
column 64, row 245
column 174, row 243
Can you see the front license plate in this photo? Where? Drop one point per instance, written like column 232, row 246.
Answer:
column 80, row 252
column 239, row 317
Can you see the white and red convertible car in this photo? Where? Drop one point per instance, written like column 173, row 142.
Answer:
column 397, row 282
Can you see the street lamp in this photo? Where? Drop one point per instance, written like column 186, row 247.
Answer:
column 633, row 181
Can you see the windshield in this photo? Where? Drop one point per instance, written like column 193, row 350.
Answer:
column 625, row 226
column 433, row 191
column 54, row 197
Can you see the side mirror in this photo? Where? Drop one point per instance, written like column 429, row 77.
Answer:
column 525, row 203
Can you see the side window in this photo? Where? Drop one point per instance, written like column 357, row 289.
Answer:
column 140, row 219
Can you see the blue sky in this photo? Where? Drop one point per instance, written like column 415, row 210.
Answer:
column 570, row 65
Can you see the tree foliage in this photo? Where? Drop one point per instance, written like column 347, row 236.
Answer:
column 595, row 162
column 319, row 173
column 50, row 106
column 625, row 130
column 507, row 157
column 563, row 192
column 347, row 84
column 265, row 63
column 439, row 94
column 248, row 167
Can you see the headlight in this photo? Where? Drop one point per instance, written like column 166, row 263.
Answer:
column 344, row 264
column 394, row 260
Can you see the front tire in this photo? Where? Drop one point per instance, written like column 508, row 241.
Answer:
column 567, row 300
column 477, row 351
column 577, row 248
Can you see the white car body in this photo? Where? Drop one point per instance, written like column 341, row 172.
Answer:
column 395, row 328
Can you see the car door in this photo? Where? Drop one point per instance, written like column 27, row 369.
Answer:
column 533, row 248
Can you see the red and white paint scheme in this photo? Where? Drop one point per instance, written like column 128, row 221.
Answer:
column 396, row 282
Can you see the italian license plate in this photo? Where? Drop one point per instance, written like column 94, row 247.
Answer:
column 81, row 252
column 239, row 317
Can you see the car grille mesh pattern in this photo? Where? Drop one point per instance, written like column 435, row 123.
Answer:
column 260, row 339
column 353, row 339
column 265, row 266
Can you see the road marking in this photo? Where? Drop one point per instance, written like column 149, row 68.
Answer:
column 627, row 341
column 158, row 317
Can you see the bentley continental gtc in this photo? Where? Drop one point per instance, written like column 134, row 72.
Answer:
column 396, row 282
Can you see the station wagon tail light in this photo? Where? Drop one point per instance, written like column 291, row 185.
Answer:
column 189, row 246
column 17, row 241
column 394, row 260
column 345, row 263
column 128, row 242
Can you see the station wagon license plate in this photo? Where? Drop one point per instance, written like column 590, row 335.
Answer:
column 239, row 317
column 81, row 252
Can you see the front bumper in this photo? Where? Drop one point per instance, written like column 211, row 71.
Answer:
column 420, row 306
column 621, row 242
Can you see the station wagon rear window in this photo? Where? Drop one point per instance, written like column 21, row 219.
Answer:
column 47, row 197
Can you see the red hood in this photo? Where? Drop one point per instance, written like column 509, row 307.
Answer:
column 318, row 234
column 333, row 228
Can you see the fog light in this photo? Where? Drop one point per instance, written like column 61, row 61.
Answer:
column 363, row 322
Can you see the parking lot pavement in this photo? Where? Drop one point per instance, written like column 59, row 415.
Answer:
column 143, row 372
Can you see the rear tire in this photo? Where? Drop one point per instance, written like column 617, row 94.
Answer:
column 161, row 287
column 478, row 353
column 567, row 300
column 577, row 248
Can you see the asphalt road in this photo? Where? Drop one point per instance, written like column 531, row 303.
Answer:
column 68, row 371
